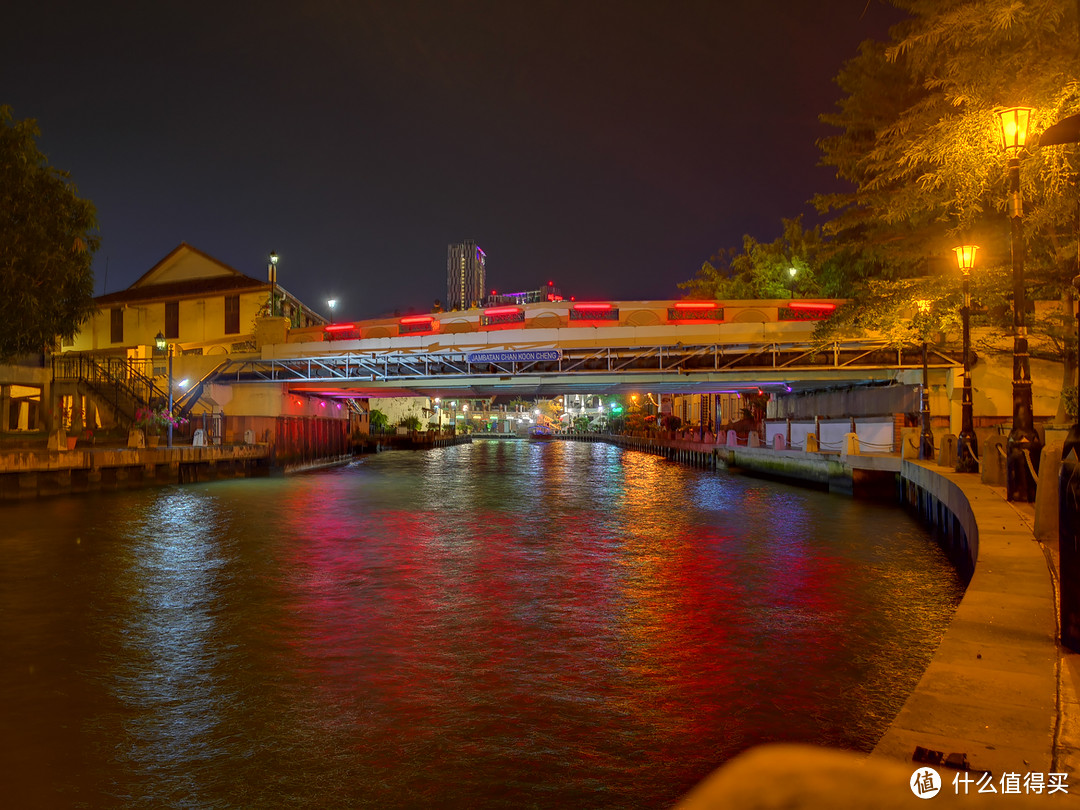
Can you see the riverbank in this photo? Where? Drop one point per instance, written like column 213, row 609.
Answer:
column 29, row 470
column 872, row 475
column 31, row 473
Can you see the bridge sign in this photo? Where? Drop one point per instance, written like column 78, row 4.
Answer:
column 537, row 355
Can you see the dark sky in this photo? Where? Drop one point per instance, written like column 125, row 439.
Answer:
column 608, row 146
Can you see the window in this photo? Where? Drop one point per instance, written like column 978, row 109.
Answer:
column 116, row 325
column 232, row 314
column 172, row 319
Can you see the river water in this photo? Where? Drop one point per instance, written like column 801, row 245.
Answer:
column 502, row 624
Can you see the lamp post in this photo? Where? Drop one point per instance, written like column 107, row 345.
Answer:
column 926, row 435
column 967, row 446
column 1023, row 441
column 792, row 272
column 331, row 303
column 163, row 346
column 271, row 271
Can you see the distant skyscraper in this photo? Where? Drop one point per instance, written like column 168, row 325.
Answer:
column 465, row 276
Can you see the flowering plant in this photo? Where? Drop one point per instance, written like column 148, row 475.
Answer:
column 153, row 420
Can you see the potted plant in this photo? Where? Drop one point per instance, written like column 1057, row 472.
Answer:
column 148, row 421
column 152, row 421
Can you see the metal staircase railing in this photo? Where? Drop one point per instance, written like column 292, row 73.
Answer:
column 117, row 381
column 190, row 398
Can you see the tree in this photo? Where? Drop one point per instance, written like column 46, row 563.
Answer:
column 410, row 422
column 918, row 136
column 378, row 421
column 918, row 139
column 48, row 236
column 763, row 270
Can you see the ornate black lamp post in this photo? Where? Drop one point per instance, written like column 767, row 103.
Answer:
column 926, row 435
column 1023, row 442
column 967, row 446
column 163, row 346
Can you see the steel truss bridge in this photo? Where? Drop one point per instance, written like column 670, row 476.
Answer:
column 666, row 368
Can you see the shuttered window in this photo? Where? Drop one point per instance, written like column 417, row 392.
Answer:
column 172, row 319
column 232, row 314
column 116, row 325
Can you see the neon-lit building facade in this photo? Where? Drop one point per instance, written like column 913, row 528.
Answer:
column 465, row 275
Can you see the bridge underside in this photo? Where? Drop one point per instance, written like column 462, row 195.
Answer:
column 660, row 369
column 625, row 383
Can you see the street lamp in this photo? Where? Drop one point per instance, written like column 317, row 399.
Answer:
column 967, row 446
column 792, row 272
column 1023, row 439
column 163, row 346
column 271, row 271
column 926, row 435
column 331, row 303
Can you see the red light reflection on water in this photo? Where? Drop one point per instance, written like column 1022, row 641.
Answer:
column 625, row 643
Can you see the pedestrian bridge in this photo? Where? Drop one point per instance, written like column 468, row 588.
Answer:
column 589, row 348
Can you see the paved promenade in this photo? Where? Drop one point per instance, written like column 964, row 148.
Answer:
column 1000, row 690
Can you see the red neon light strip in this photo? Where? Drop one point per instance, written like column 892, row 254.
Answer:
column 592, row 306
column 502, row 311
column 807, row 305
column 417, row 319
column 695, row 305
column 338, row 327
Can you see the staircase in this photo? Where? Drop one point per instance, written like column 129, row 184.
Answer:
column 114, row 381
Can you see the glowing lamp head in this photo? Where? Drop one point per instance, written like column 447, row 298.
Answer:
column 273, row 257
column 965, row 257
column 791, row 271
column 1013, row 123
column 923, row 305
column 159, row 341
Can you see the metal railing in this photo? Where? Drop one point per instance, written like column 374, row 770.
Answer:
column 428, row 365
column 119, row 382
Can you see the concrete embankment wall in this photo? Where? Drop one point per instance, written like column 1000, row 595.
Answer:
column 34, row 473
column 862, row 476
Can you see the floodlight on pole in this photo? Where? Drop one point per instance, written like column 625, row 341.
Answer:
column 271, row 271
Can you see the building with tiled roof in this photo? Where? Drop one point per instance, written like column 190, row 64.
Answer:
column 200, row 305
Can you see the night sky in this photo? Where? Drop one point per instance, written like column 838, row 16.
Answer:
column 610, row 147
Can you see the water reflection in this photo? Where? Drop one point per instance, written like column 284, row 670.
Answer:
column 497, row 625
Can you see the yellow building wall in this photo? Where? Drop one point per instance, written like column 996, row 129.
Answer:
column 202, row 325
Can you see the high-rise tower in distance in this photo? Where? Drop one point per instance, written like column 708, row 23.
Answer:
column 465, row 278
